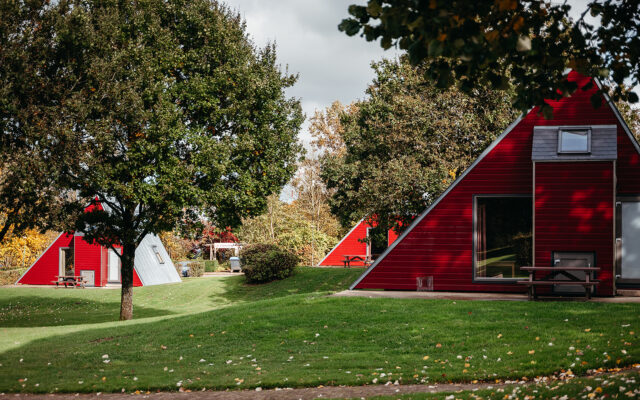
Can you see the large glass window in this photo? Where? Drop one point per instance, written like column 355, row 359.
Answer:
column 574, row 141
column 377, row 241
column 503, row 239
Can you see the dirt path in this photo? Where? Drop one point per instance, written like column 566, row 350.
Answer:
column 329, row 392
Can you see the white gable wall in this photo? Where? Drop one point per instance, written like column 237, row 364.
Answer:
column 149, row 269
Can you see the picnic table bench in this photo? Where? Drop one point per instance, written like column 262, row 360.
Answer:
column 69, row 281
column 349, row 258
column 551, row 278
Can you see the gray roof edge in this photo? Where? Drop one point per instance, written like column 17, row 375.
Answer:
column 572, row 126
column 341, row 240
column 437, row 201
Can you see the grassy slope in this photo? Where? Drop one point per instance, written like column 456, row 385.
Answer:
column 24, row 311
column 283, row 334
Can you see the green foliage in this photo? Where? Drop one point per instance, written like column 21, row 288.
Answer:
column 262, row 263
column 290, row 227
column 164, row 110
column 631, row 116
column 406, row 143
column 196, row 268
column 211, row 265
column 528, row 42
column 11, row 276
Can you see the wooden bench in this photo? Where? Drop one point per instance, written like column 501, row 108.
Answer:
column 551, row 278
column 349, row 258
column 69, row 281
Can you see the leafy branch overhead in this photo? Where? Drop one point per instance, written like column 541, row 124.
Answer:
column 528, row 42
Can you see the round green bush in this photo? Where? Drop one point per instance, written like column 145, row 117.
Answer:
column 263, row 263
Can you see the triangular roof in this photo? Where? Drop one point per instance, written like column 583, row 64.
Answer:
column 462, row 176
column 337, row 246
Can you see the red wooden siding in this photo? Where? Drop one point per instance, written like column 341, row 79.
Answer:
column 88, row 257
column 441, row 244
column 46, row 267
column 574, row 210
column 352, row 244
column 627, row 165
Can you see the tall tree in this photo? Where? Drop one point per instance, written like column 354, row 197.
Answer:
column 531, row 43
column 406, row 143
column 171, row 112
column 30, row 161
column 312, row 201
column 290, row 226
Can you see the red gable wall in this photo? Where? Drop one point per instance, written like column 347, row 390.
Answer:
column 351, row 244
column 88, row 257
column 441, row 244
column 45, row 269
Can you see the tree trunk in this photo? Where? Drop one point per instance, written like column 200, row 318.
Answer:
column 126, row 297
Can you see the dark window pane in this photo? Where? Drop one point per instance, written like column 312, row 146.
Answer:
column 378, row 239
column 503, row 236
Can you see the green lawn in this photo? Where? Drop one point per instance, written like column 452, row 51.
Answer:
column 220, row 333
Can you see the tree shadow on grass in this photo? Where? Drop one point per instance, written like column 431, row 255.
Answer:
column 28, row 312
column 305, row 280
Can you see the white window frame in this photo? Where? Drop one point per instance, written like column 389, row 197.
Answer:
column 576, row 129
column 156, row 252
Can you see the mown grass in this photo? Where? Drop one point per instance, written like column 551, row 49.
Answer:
column 31, row 307
column 288, row 334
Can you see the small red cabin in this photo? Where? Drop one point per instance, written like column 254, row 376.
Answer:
column 353, row 243
column 544, row 193
column 71, row 255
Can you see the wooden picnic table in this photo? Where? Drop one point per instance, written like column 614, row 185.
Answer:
column 69, row 281
column 551, row 278
column 349, row 258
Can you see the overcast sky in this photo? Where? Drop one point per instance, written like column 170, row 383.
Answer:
column 331, row 65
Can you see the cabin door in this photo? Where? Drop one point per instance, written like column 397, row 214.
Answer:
column 65, row 262
column 629, row 262
column 113, row 274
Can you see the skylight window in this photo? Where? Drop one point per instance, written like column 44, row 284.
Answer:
column 156, row 251
column 574, row 141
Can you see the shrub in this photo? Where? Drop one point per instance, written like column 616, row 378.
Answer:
column 263, row 263
column 211, row 265
column 11, row 276
column 196, row 268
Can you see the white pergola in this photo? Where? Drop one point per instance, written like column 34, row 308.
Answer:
column 213, row 248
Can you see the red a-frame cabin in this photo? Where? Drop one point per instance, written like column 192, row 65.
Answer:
column 545, row 191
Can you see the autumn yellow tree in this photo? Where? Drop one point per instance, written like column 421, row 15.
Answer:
column 20, row 251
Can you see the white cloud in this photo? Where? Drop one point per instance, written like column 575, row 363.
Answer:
column 331, row 65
